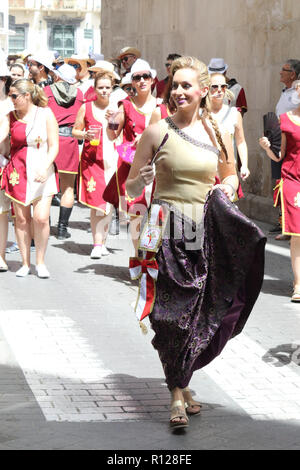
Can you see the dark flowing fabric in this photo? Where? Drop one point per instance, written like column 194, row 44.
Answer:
column 205, row 295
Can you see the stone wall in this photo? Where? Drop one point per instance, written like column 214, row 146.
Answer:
column 255, row 37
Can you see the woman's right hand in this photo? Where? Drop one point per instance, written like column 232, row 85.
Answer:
column 264, row 143
column 147, row 173
column 89, row 134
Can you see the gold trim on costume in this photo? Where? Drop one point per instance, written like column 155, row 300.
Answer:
column 14, row 178
column 91, row 185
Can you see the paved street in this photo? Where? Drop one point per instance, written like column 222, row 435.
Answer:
column 77, row 373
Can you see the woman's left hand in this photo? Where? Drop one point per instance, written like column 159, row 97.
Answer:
column 227, row 190
column 244, row 172
column 40, row 175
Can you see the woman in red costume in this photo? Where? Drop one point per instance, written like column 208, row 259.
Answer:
column 29, row 178
column 133, row 117
column 289, row 186
column 98, row 160
column 65, row 100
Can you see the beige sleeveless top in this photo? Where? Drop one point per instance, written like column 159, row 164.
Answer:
column 185, row 169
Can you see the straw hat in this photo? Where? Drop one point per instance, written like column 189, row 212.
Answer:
column 24, row 54
column 84, row 62
column 129, row 50
column 101, row 65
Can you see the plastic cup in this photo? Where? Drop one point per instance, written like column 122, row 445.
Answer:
column 112, row 124
column 97, row 134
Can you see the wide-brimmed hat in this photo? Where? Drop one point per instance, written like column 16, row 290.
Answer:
column 129, row 50
column 101, row 65
column 67, row 73
column 58, row 60
column 25, row 54
column 43, row 59
column 82, row 61
column 141, row 65
column 217, row 65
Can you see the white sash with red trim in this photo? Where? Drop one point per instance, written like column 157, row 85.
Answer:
column 146, row 268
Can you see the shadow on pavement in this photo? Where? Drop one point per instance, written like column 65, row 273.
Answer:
column 119, row 273
column 277, row 287
column 283, row 354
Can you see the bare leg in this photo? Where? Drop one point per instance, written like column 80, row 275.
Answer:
column 23, row 231
column 66, row 181
column 295, row 258
column 41, row 212
column 3, row 238
column 100, row 226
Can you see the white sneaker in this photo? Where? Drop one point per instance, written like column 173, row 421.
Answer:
column 104, row 251
column 96, row 252
column 42, row 271
column 23, row 272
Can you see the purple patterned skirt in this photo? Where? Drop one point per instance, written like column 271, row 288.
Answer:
column 204, row 295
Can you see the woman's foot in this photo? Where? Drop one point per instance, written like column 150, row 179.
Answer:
column 23, row 271
column 178, row 417
column 3, row 265
column 96, row 252
column 192, row 407
column 42, row 271
column 296, row 294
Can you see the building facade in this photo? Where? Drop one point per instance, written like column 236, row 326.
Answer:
column 67, row 26
column 4, row 27
column 255, row 37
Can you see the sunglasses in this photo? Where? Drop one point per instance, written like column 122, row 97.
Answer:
column 145, row 76
column 14, row 96
column 127, row 88
column 75, row 66
column 125, row 58
column 214, row 88
column 286, row 70
column 168, row 65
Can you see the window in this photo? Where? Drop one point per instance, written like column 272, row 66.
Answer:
column 63, row 40
column 16, row 43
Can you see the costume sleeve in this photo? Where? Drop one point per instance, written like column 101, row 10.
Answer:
column 241, row 101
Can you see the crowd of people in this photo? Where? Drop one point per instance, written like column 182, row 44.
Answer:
column 170, row 155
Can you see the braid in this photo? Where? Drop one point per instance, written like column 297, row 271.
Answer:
column 218, row 133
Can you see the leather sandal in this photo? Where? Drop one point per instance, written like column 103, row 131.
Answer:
column 192, row 407
column 178, row 413
column 296, row 295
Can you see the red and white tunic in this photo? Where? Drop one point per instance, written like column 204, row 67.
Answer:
column 135, row 122
column 67, row 160
column 29, row 148
column 97, row 164
column 289, row 186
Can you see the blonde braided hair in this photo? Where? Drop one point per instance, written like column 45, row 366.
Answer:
column 188, row 62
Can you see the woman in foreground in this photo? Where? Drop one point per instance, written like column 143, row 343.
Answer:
column 203, row 293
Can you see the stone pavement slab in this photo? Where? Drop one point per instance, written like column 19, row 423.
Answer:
column 77, row 373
